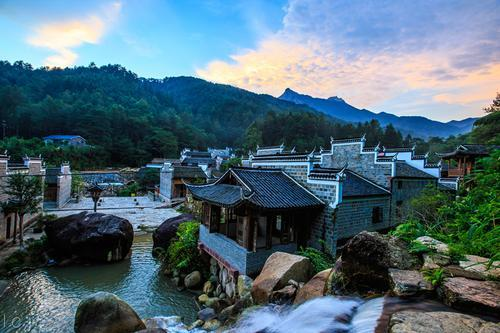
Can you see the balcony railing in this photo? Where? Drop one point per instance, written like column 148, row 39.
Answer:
column 456, row 172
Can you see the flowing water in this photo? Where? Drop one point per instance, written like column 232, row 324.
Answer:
column 320, row 315
column 45, row 300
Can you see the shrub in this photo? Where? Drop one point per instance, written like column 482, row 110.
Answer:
column 182, row 253
column 469, row 224
column 320, row 260
column 434, row 276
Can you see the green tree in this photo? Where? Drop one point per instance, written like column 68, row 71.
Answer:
column 392, row 137
column 26, row 194
column 232, row 162
column 487, row 128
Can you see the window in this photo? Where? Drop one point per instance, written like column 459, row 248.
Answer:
column 377, row 215
column 400, row 184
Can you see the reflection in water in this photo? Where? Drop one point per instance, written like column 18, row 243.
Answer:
column 46, row 300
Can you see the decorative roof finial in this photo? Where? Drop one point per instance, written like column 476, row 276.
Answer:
column 363, row 138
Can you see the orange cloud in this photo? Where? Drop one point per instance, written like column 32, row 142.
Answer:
column 61, row 37
column 314, row 55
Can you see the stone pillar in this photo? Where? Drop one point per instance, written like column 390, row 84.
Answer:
column 166, row 186
column 64, row 185
column 34, row 164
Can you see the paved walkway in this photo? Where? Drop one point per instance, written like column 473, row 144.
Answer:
column 140, row 211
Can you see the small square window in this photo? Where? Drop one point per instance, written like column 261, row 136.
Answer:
column 377, row 215
column 400, row 184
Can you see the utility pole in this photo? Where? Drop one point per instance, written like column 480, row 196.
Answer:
column 4, row 125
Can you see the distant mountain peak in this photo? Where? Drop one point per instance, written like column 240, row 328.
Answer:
column 415, row 125
column 336, row 99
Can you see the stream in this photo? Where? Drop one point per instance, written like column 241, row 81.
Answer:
column 45, row 300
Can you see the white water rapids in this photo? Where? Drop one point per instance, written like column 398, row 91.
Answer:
column 320, row 315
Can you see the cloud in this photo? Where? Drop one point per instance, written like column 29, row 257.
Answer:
column 62, row 37
column 370, row 53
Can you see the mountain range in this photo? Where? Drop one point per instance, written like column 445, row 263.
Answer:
column 417, row 126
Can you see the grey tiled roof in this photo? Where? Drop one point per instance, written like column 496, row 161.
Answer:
column 355, row 185
column 198, row 160
column 404, row 170
column 181, row 171
column 265, row 188
column 470, row 150
column 219, row 194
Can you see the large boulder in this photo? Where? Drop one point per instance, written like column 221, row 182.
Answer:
column 408, row 283
column 439, row 322
column 91, row 236
column 366, row 260
column 279, row 268
column 316, row 287
column 481, row 297
column 106, row 313
column 168, row 229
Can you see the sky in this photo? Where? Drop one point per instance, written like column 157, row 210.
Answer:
column 438, row 59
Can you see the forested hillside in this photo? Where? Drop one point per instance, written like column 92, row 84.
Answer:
column 128, row 120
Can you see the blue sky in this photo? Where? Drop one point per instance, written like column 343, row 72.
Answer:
column 439, row 59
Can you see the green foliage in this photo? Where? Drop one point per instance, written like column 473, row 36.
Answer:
column 418, row 248
column 409, row 230
column 468, row 224
column 306, row 130
column 147, row 178
column 26, row 192
column 434, row 276
column 77, row 183
column 182, row 253
column 487, row 128
column 32, row 256
column 232, row 162
column 320, row 260
column 129, row 190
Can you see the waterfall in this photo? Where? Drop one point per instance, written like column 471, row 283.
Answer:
column 325, row 314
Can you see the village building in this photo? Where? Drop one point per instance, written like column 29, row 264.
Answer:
column 250, row 213
column 173, row 180
column 57, row 189
column 65, row 140
column 462, row 161
column 32, row 166
column 359, row 188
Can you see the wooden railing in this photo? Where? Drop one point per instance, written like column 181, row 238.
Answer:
column 456, row 172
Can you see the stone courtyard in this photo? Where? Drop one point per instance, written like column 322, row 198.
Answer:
column 142, row 212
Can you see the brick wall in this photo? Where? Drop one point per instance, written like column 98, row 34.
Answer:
column 355, row 215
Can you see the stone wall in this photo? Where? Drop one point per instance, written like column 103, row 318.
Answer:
column 355, row 215
column 362, row 163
